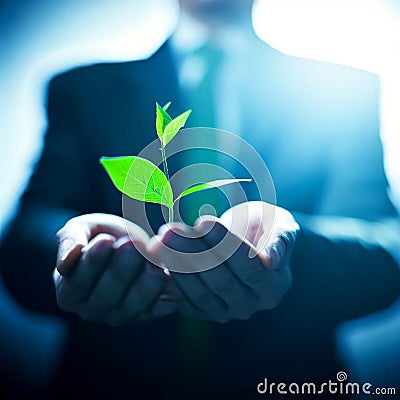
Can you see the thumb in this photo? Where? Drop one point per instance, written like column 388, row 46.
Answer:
column 71, row 241
column 78, row 231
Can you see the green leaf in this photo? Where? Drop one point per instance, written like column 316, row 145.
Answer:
column 173, row 127
column 209, row 185
column 165, row 108
column 162, row 119
column 139, row 178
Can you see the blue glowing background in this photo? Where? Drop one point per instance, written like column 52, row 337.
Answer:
column 39, row 38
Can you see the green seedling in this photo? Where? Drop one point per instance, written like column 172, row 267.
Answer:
column 142, row 180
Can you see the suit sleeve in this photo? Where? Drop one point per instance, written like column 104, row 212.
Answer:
column 59, row 189
column 345, row 263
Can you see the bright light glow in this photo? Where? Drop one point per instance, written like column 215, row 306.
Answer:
column 58, row 36
column 53, row 36
column 352, row 32
column 363, row 34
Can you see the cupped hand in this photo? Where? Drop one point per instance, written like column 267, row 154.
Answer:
column 103, row 275
column 233, row 266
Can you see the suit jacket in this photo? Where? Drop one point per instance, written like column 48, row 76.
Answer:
column 319, row 135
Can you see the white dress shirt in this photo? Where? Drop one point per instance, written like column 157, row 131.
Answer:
column 240, row 72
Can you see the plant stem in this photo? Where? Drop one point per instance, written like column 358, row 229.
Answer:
column 165, row 167
column 164, row 159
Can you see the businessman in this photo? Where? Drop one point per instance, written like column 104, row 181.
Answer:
column 316, row 126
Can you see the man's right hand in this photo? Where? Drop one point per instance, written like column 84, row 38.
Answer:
column 102, row 276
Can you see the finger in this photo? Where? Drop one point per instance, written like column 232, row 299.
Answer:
column 57, row 277
column 72, row 238
column 193, row 288
column 201, row 297
column 221, row 281
column 124, row 266
column 159, row 309
column 142, row 293
column 171, row 290
column 250, row 220
column 180, row 248
column 76, row 287
column 250, row 271
column 187, row 308
column 260, row 285
column 240, row 300
column 80, row 230
column 168, row 301
column 164, row 307
column 283, row 245
column 262, row 224
column 268, row 274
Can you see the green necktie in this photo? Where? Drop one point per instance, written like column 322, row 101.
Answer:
column 195, row 335
column 202, row 95
column 201, row 99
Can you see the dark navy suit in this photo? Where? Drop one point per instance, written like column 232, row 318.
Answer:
column 321, row 142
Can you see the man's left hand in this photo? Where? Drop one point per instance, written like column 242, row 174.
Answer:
column 233, row 266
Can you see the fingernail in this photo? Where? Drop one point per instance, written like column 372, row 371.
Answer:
column 67, row 260
column 124, row 241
